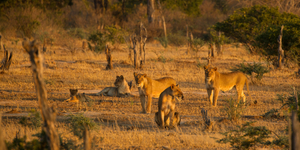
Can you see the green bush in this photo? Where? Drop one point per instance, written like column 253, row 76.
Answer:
column 26, row 25
column 257, row 68
column 177, row 39
column 259, row 26
column 163, row 41
column 79, row 123
column 247, row 136
column 234, row 109
column 34, row 121
column 78, row 33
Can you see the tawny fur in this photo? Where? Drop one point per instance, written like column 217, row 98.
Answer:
column 151, row 88
column 216, row 81
column 166, row 107
column 122, row 88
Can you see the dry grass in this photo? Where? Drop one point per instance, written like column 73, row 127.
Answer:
column 121, row 123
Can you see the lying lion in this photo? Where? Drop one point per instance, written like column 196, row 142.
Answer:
column 166, row 107
column 76, row 97
column 122, row 88
column 151, row 88
column 216, row 81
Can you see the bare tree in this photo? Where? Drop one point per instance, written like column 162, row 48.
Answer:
column 220, row 47
column 150, row 11
column 162, row 17
column 135, row 55
column 212, row 49
column 143, row 40
column 187, row 37
column 48, row 113
column 6, row 61
column 86, row 139
column 109, row 65
column 280, row 50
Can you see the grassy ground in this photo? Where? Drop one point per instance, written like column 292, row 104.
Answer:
column 121, row 125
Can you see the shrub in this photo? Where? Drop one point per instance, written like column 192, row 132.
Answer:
column 234, row 109
column 247, row 136
column 177, row 39
column 79, row 123
column 257, row 68
column 78, row 33
column 35, row 119
column 26, row 25
column 259, row 26
column 163, row 41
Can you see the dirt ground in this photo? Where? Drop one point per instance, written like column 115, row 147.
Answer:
column 121, row 125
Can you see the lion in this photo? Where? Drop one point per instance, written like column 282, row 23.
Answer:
column 122, row 89
column 151, row 88
column 176, row 120
column 166, row 107
column 216, row 81
column 78, row 97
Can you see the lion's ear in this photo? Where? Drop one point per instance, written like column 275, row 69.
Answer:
column 215, row 68
column 205, row 67
column 134, row 74
column 145, row 75
column 172, row 86
column 117, row 77
column 177, row 85
column 122, row 77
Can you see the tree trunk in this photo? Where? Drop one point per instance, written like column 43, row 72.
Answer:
column 220, row 49
column 188, row 43
column 0, row 41
column 47, row 113
column 87, row 139
column 162, row 17
column 295, row 132
column 109, row 65
column 6, row 61
column 150, row 11
column 206, row 119
column 280, row 50
column 143, row 40
column 192, row 41
column 213, row 48
column 135, row 55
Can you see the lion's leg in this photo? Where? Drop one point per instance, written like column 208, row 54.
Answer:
column 210, row 95
column 162, row 119
column 157, row 118
column 149, row 103
column 171, row 118
column 176, row 120
column 216, row 94
column 240, row 93
column 143, row 103
column 243, row 96
column 104, row 91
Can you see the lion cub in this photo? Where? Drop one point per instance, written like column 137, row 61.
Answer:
column 76, row 97
column 166, row 107
column 122, row 88
column 216, row 81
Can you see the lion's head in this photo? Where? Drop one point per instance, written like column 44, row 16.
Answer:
column 176, row 92
column 139, row 79
column 210, row 72
column 119, row 81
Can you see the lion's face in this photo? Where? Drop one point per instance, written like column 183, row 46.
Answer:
column 139, row 79
column 119, row 81
column 177, row 92
column 210, row 73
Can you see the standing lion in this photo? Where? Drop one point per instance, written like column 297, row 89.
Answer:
column 216, row 81
column 151, row 88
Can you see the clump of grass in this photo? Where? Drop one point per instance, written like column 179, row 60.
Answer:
column 163, row 41
column 162, row 59
column 257, row 68
column 234, row 109
column 34, row 121
column 247, row 136
column 78, row 123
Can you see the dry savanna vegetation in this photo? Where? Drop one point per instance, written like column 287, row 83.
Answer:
column 75, row 54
